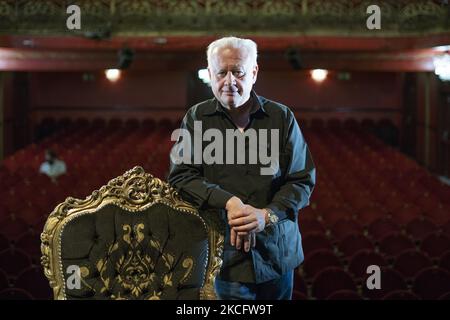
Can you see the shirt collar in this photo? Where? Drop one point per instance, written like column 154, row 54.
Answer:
column 258, row 105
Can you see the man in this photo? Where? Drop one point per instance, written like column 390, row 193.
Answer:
column 52, row 167
column 262, row 240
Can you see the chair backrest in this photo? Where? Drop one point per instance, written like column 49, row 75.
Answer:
column 135, row 238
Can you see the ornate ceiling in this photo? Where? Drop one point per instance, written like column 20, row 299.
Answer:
column 206, row 17
column 329, row 33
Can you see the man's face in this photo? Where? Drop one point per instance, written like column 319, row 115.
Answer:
column 232, row 76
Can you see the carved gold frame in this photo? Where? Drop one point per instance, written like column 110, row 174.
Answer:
column 133, row 191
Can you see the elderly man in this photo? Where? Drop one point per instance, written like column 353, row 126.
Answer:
column 260, row 204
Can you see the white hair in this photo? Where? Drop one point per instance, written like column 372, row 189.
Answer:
column 235, row 43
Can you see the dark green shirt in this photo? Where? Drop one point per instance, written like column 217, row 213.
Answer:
column 208, row 187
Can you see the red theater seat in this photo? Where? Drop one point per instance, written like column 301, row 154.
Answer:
column 39, row 225
column 34, row 282
column 15, row 294
column 13, row 261
column 354, row 243
column 410, row 262
column 428, row 202
column 313, row 242
column 446, row 228
column 4, row 243
column 419, row 228
column 317, row 123
column 435, row 244
column 383, row 227
column 330, row 280
column 319, row 260
column 344, row 228
column 30, row 215
column 395, row 244
column 308, row 226
column 368, row 215
column 439, row 215
column 297, row 295
column 13, row 228
column 351, row 123
column 444, row 261
column 334, row 123
column 401, row 295
column 300, row 284
column 406, row 214
column 391, row 280
column 397, row 206
column 30, row 243
column 361, row 260
column 344, row 295
column 98, row 123
column 431, row 283
column 333, row 215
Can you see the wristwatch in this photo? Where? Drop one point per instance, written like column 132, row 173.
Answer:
column 272, row 218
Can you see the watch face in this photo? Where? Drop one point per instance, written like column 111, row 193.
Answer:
column 273, row 218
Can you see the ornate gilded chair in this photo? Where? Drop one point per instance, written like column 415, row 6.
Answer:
column 135, row 238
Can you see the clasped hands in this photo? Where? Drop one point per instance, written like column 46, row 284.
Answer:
column 244, row 221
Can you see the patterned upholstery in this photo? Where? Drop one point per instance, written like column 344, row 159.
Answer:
column 135, row 238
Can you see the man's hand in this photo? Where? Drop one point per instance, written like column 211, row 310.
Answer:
column 244, row 221
column 236, row 209
column 233, row 206
column 248, row 220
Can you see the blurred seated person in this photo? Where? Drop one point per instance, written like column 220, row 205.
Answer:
column 52, row 167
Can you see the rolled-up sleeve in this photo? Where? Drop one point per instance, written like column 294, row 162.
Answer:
column 300, row 176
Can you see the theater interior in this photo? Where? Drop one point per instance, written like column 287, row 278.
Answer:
column 373, row 105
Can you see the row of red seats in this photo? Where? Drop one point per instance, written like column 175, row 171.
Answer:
column 416, row 229
column 29, row 284
column 368, row 196
column 434, row 245
column 334, row 283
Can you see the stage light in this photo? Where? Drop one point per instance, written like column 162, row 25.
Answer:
column 112, row 74
column 204, row 76
column 319, row 75
column 442, row 66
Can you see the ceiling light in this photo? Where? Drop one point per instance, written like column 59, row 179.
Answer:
column 319, row 74
column 112, row 74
